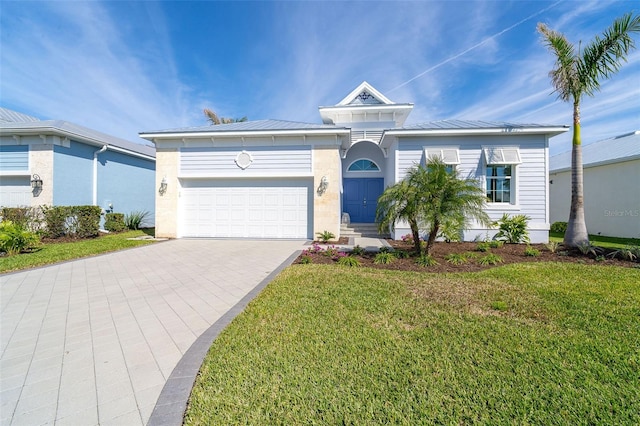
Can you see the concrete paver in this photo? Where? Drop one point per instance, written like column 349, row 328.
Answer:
column 93, row 341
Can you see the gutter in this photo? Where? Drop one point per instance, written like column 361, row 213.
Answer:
column 95, row 173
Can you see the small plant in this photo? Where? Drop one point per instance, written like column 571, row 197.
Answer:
column 600, row 258
column 331, row 251
column 499, row 305
column 305, row 259
column 408, row 238
column 384, row 258
column 15, row 239
column 495, row 243
column 114, row 222
column 385, row 249
column 325, row 236
column 348, row 261
column 483, row 246
column 552, row 246
column 490, row 259
column 357, row 250
column 587, row 248
column 629, row 253
column 513, row 229
column 135, row 219
column 558, row 227
column 532, row 252
column 426, row 260
column 456, row 258
column 402, row 254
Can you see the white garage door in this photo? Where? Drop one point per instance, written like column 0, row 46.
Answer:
column 15, row 191
column 245, row 209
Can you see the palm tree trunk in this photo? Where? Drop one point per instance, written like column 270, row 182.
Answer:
column 415, row 231
column 576, row 233
column 432, row 236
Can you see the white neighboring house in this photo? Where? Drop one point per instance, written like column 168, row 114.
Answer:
column 282, row 179
column 611, row 186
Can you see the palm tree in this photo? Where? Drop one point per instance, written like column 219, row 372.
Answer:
column 577, row 73
column 215, row 119
column 432, row 198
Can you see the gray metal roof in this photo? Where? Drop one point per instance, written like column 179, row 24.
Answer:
column 9, row 116
column 473, row 124
column 614, row 150
column 257, row 125
column 76, row 132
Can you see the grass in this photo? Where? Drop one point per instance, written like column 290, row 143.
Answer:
column 534, row 343
column 601, row 241
column 58, row 252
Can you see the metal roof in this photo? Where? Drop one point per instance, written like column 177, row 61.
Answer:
column 625, row 147
column 474, row 124
column 257, row 126
column 9, row 116
column 76, row 132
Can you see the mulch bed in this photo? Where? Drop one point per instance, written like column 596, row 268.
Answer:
column 509, row 253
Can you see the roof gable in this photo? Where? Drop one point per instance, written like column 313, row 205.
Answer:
column 365, row 94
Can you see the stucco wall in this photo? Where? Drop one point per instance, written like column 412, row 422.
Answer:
column 167, row 160
column 41, row 163
column 611, row 199
column 326, row 162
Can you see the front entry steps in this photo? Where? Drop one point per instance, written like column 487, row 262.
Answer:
column 361, row 230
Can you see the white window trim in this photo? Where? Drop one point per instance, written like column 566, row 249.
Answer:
column 515, row 204
column 439, row 153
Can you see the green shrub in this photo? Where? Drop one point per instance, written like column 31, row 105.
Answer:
column 357, row 250
column 135, row 219
column 495, row 243
column 305, row 259
column 114, row 222
column 630, row 253
column 86, row 220
column 384, row 258
column 426, row 260
column 325, row 236
column 348, row 261
column 456, row 258
column 558, row 227
column 55, row 220
column 29, row 218
column 532, row 252
column 402, row 254
column 385, row 249
column 490, row 259
column 15, row 239
column 483, row 246
column 513, row 229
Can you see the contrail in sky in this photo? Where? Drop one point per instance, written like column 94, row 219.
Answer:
column 473, row 47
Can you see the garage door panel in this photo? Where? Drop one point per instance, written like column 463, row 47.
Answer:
column 245, row 209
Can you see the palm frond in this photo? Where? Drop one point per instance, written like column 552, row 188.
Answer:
column 564, row 75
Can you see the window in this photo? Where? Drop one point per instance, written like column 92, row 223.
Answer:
column 499, row 183
column 363, row 165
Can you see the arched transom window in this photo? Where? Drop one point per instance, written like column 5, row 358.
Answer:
column 363, row 165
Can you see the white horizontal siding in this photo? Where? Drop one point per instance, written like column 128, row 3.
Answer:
column 266, row 161
column 14, row 158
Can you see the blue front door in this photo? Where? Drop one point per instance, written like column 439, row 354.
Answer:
column 360, row 198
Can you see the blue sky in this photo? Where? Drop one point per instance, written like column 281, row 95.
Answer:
column 127, row 67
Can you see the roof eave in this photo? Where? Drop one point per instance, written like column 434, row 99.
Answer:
column 151, row 136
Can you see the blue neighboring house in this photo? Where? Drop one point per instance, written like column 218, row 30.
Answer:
column 55, row 162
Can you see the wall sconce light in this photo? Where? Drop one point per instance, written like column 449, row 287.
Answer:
column 36, row 182
column 324, row 183
column 163, row 186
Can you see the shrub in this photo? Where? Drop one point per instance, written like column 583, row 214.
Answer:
column 135, row 219
column 29, row 218
column 357, row 250
column 558, row 227
column 349, row 261
column 71, row 221
column 532, row 252
column 630, row 253
column 385, row 249
column 15, row 239
column 325, row 236
column 552, row 246
column 495, row 243
column 513, row 229
column 86, row 221
column 114, row 222
column 305, row 259
column 384, row 258
column 55, row 219
column 483, row 246
column 426, row 260
column 456, row 258
column 402, row 254
column 490, row 259
column 587, row 248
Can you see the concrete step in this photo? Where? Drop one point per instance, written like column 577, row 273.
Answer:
column 361, row 230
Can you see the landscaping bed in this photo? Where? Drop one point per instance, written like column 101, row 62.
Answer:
column 442, row 253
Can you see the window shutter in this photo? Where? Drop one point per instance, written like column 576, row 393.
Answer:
column 496, row 156
column 446, row 155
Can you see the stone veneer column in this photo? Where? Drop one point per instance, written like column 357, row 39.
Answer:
column 41, row 163
column 167, row 161
column 326, row 207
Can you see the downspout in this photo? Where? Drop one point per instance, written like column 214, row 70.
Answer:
column 95, row 173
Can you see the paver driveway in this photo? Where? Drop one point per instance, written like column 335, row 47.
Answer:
column 93, row 341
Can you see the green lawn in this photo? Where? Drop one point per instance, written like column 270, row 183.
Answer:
column 601, row 241
column 57, row 252
column 535, row 343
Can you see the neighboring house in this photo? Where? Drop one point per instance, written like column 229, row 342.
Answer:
column 54, row 162
column 611, row 170
column 281, row 179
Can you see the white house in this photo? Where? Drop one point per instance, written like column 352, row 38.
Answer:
column 611, row 170
column 281, row 179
